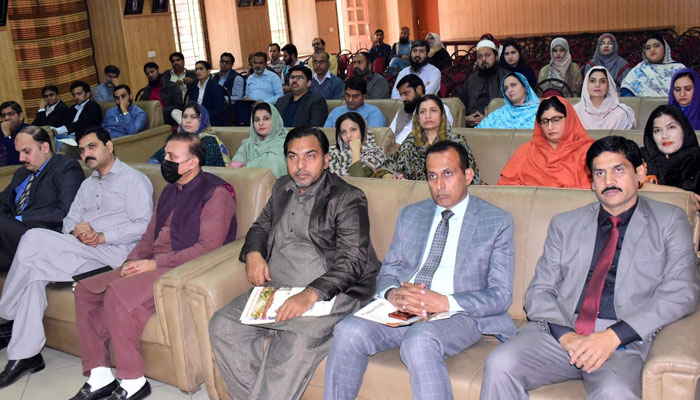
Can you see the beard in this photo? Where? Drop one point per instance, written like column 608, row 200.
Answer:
column 361, row 72
column 416, row 65
column 156, row 81
column 486, row 72
column 410, row 106
column 403, row 40
column 288, row 61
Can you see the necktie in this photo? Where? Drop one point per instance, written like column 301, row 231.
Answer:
column 24, row 197
column 585, row 322
column 425, row 275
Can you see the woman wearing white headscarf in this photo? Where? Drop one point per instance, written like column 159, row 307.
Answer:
column 437, row 55
column 652, row 76
column 600, row 107
column 606, row 55
column 561, row 67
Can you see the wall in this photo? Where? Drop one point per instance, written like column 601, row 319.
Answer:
column 327, row 21
column 468, row 19
column 303, row 27
column 426, row 12
column 253, row 30
column 222, row 19
column 390, row 16
column 9, row 79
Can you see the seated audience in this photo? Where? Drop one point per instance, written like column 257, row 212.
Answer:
column 125, row 118
column 419, row 66
column 671, row 150
column 600, row 107
column 196, row 213
column 379, row 48
column 301, row 106
column 276, row 62
column 512, row 61
column 684, row 96
column 355, row 153
column 606, row 55
column 104, row 92
column 611, row 275
column 652, row 76
column 326, row 84
column 229, row 78
column 561, row 67
column 162, row 90
column 400, row 55
column 263, row 148
column 291, row 58
column 478, row 90
column 40, row 193
column 412, row 90
column 438, row 55
column 179, row 75
column 209, row 94
column 519, row 108
column 262, row 84
column 51, row 107
column 377, row 85
column 108, row 216
column 320, row 44
column 12, row 117
column 333, row 259
column 195, row 121
column 82, row 114
column 425, row 272
column 355, row 90
column 556, row 154
column 429, row 127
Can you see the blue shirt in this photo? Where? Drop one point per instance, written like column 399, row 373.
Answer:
column 237, row 89
column 103, row 93
column 331, row 88
column 372, row 114
column 266, row 87
column 20, row 189
column 118, row 124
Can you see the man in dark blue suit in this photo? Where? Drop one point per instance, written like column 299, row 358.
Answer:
column 209, row 94
column 229, row 78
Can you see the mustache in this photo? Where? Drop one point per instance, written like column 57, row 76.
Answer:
column 609, row 188
column 90, row 159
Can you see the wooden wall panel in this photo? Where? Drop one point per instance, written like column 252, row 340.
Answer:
column 253, row 30
column 9, row 79
column 107, row 35
column 327, row 21
column 222, row 22
column 303, row 27
column 144, row 33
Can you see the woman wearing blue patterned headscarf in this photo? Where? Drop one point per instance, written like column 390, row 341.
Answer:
column 520, row 106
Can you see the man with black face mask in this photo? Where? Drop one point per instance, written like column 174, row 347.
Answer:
column 125, row 118
column 162, row 90
column 478, row 90
column 195, row 214
column 428, row 73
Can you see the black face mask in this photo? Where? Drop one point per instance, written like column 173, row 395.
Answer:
column 169, row 170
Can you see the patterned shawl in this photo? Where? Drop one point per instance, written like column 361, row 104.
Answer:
column 611, row 115
column 269, row 153
column 652, row 80
column 510, row 116
column 371, row 155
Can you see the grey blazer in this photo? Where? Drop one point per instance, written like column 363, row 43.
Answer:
column 483, row 281
column 656, row 281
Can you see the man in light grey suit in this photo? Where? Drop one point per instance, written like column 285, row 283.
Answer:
column 452, row 253
column 612, row 274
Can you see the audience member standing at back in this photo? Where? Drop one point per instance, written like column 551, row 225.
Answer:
column 179, row 75
column 478, row 90
column 379, row 48
column 419, row 66
column 563, row 69
column 323, row 82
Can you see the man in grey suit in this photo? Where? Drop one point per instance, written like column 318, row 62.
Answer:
column 300, row 106
column 612, row 274
column 312, row 233
column 454, row 253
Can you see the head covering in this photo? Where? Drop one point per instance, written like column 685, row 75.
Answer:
column 269, row 153
column 682, row 168
column 521, row 67
column 652, row 80
column 203, row 121
column 692, row 110
column 437, row 44
column 612, row 62
column 486, row 43
column 371, row 155
column 611, row 114
column 510, row 116
column 537, row 163
column 559, row 69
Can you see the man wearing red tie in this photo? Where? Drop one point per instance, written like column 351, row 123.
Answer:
column 612, row 274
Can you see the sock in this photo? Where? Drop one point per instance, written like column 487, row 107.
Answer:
column 132, row 385
column 100, row 377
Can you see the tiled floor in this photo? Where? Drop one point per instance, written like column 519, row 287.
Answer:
column 62, row 378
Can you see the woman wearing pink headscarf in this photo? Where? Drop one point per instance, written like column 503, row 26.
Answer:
column 600, row 108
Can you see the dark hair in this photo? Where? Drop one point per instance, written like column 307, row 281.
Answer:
column 122, row 86
column 413, row 81
column 80, row 84
column 681, row 75
column 102, row 134
column 52, row 88
column 112, row 69
column 615, row 144
column 196, row 147
column 291, row 49
column 323, row 42
column 261, row 106
column 305, row 70
column 354, row 117
column 204, row 63
column 673, row 112
column 307, row 130
column 516, row 46
column 12, row 104
column 176, row 54
column 150, row 64
column 657, row 37
column 260, row 54
column 378, row 31
column 274, row 44
column 445, row 145
column 193, row 105
column 356, row 83
column 38, row 134
column 420, row 43
column 546, row 104
column 229, row 55
column 328, row 56
column 367, row 56
column 433, row 98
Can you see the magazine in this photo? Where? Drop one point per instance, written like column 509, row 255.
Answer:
column 380, row 309
column 264, row 302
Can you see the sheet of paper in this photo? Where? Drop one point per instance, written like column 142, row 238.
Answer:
column 264, row 301
column 379, row 310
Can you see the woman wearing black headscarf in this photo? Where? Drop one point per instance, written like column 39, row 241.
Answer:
column 512, row 60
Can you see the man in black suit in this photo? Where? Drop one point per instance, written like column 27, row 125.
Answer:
column 51, row 108
column 300, row 106
column 82, row 114
column 40, row 193
column 162, row 90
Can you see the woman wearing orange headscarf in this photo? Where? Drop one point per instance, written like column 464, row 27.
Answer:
column 556, row 155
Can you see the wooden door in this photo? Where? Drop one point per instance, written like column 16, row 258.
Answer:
column 327, row 19
column 427, row 18
column 358, row 34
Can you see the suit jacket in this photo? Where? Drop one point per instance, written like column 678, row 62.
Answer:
column 54, row 119
column 338, row 228
column 171, row 96
column 51, row 194
column 483, row 280
column 656, row 280
column 230, row 79
column 312, row 109
column 213, row 101
column 90, row 116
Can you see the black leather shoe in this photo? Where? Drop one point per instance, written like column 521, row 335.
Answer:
column 85, row 392
column 16, row 368
column 120, row 394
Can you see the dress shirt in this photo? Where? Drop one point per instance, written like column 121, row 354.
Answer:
column 238, row 88
column 118, row 124
column 266, row 87
column 103, row 93
column 372, row 114
column 79, row 110
column 277, row 66
column 20, row 188
column 429, row 74
column 330, row 87
column 400, row 119
column 285, row 71
column 174, row 78
column 201, row 87
column 49, row 109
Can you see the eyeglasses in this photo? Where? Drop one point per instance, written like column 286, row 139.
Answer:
column 554, row 120
column 296, row 77
column 607, row 44
column 8, row 114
